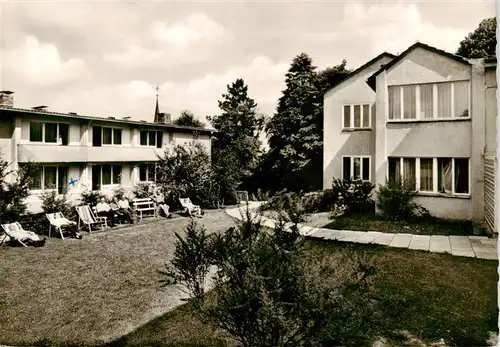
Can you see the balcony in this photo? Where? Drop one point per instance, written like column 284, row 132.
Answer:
column 45, row 153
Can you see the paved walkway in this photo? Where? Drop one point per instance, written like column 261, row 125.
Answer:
column 465, row 246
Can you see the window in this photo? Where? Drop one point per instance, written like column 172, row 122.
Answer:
column 107, row 136
column 357, row 116
column 438, row 175
column 151, row 138
column 356, row 167
column 49, row 132
column 147, row 173
column 103, row 175
column 445, row 100
column 50, row 177
column 36, row 132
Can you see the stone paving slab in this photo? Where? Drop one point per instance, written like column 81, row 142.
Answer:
column 366, row 238
column 420, row 242
column 401, row 240
column 463, row 253
column 440, row 244
column 486, row 255
column 383, row 239
column 320, row 233
column 352, row 236
column 461, row 245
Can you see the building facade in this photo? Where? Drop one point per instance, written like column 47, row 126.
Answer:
column 426, row 116
column 78, row 153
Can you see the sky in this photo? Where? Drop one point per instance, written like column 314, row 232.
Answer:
column 105, row 59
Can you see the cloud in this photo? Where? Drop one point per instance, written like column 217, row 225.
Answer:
column 393, row 27
column 194, row 29
column 41, row 64
column 134, row 56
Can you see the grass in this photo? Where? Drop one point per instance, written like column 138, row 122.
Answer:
column 431, row 226
column 432, row 296
column 102, row 287
column 90, row 290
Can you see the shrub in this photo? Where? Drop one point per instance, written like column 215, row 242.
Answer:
column 53, row 202
column 355, row 195
column 91, row 197
column 288, row 205
column 119, row 193
column 36, row 222
column 185, row 171
column 14, row 193
column 322, row 201
column 268, row 291
column 395, row 202
column 142, row 190
column 261, row 195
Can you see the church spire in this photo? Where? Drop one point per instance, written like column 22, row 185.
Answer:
column 157, row 109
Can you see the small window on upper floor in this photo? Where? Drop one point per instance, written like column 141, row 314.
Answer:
column 356, row 116
column 47, row 132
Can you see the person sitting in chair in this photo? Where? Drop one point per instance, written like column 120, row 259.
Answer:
column 124, row 213
column 104, row 210
column 159, row 198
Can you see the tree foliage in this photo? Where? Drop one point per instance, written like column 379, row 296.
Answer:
column 188, row 119
column 296, row 129
column 482, row 42
column 13, row 192
column 269, row 292
column 185, row 171
column 238, row 127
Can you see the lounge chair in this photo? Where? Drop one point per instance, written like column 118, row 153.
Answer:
column 87, row 217
column 189, row 207
column 16, row 232
column 58, row 221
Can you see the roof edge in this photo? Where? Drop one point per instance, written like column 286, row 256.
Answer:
column 359, row 69
column 122, row 121
column 371, row 80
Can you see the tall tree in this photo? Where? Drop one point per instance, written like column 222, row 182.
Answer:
column 482, row 42
column 332, row 75
column 295, row 131
column 188, row 119
column 238, row 127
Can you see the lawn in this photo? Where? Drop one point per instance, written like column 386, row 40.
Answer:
column 425, row 295
column 103, row 287
column 373, row 222
column 98, row 288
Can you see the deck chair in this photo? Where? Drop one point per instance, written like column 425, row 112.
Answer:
column 16, row 232
column 189, row 207
column 87, row 217
column 58, row 221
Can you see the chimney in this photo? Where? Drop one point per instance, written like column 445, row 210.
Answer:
column 6, row 98
column 40, row 108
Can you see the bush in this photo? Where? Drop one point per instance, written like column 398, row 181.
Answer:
column 14, row 193
column 269, row 292
column 395, row 202
column 354, row 195
column 36, row 222
column 142, row 190
column 53, row 202
column 90, row 197
column 288, row 205
column 119, row 193
column 322, row 201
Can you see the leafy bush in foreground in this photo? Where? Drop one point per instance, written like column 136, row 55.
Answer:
column 269, row 292
column 354, row 195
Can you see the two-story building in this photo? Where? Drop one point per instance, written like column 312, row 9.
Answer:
column 425, row 116
column 78, row 152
